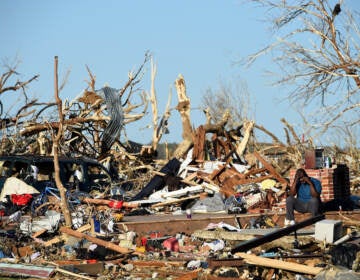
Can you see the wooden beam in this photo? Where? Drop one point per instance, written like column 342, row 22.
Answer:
column 190, row 275
column 95, row 240
column 271, row 169
column 273, row 263
column 247, row 245
column 64, row 271
column 175, row 200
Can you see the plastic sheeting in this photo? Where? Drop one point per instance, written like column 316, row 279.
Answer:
column 14, row 185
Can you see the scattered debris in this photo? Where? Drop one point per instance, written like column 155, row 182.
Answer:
column 91, row 207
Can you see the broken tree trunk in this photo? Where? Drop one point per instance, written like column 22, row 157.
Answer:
column 184, row 109
column 159, row 128
column 56, row 139
column 248, row 126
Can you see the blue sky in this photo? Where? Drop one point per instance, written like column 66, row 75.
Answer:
column 199, row 39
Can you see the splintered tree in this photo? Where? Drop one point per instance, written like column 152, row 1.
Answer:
column 160, row 127
column 317, row 50
column 217, row 127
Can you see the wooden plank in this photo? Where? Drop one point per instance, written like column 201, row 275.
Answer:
column 254, row 171
column 38, row 233
column 271, row 169
column 52, row 241
column 92, row 269
column 190, row 275
column 184, row 191
column 273, row 263
column 95, row 240
column 73, row 274
column 244, row 181
column 58, row 239
column 190, row 178
column 233, row 262
column 173, row 201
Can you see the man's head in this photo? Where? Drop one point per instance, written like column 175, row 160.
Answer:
column 301, row 175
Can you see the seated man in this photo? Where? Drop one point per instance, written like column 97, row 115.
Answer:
column 304, row 196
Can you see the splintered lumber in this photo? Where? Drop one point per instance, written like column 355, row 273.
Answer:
column 290, row 266
column 106, row 244
column 58, row 239
column 184, row 191
column 271, row 169
column 252, row 243
column 173, row 201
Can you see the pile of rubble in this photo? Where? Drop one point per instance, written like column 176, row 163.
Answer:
column 226, row 222
column 214, row 209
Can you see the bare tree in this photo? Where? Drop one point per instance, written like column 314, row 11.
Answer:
column 10, row 84
column 84, row 119
column 317, row 51
column 234, row 98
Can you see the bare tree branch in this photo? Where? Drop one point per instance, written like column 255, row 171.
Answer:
column 317, row 52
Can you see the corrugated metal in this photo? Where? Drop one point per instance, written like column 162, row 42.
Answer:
column 26, row 270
